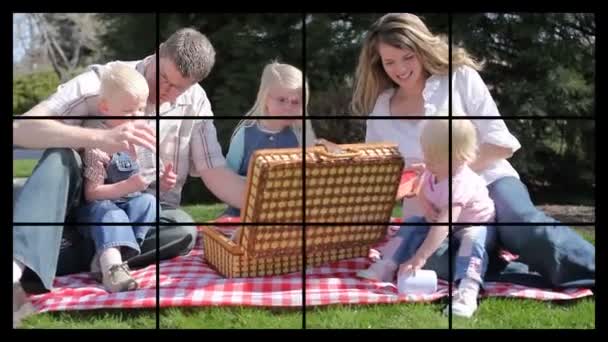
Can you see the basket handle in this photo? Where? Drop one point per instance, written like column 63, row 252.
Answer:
column 333, row 151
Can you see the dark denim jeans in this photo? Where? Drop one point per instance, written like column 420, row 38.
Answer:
column 51, row 193
column 550, row 256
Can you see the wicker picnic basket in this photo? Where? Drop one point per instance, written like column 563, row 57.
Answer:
column 352, row 183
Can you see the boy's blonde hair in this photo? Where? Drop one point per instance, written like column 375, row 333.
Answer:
column 434, row 140
column 400, row 30
column 277, row 74
column 119, row 78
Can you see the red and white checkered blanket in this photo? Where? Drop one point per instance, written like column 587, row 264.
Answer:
column 189, row 281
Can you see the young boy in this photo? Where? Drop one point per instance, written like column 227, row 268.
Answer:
column 114, row 185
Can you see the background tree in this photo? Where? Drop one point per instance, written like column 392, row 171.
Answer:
column 538, row 65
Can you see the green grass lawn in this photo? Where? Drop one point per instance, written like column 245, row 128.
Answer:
column 230, row 317
column 507, row 313
column 204, row 212
column 23, row 168
column 378, row 316
column 94, row 319
column 207, row 212
column 493, row 312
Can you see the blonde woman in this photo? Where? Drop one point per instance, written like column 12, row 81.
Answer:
column 403, row 70
column 280, row 94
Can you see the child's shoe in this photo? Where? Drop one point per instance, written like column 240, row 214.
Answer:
column 464, row 301
column 118, row 279
column 464, row 304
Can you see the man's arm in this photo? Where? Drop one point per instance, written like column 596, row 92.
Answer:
column 210, row 164
column 53, row 133
column 71, row 99
column 225, row 184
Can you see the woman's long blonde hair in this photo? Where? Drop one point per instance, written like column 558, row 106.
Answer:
column 401, row 30
column 284, row 76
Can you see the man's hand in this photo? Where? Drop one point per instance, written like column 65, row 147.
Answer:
column 122, row 138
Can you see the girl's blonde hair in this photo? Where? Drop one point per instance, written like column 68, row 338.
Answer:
column 120, row 78
column 434, row 140
column 400, row 30
column 277, row 74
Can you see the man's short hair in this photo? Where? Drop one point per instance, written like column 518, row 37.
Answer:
column 191, row 52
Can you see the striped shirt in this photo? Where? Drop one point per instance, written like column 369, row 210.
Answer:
column 190, row 144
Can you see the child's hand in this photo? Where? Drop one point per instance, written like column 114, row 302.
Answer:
column 137, row 183
column 168, row 178
column 412, row 265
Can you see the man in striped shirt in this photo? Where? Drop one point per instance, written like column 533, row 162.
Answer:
column 188, row 146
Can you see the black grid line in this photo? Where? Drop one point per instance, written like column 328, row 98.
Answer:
column 405, row 224
column 439, row 117
column 329, row 224
column 304, row 223
column 450, row 234
column 83, row 117
column 157, row 100
column 304, row 102
column 148, row 117
column 315, row 117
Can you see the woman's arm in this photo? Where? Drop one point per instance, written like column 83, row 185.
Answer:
column 495, row 140
column 489, row 154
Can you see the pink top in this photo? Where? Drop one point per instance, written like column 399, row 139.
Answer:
column 468, row 190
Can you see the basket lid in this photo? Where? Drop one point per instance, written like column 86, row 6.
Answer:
column 347, row 184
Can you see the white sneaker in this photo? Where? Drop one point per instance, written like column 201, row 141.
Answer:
column 381, row 270
column 118, row 279
column 464, row 303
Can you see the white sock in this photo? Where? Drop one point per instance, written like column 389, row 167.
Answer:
column 469, row 284
column 18, row 268
column 110, row 256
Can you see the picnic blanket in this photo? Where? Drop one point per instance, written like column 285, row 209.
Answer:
column 190, row 281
